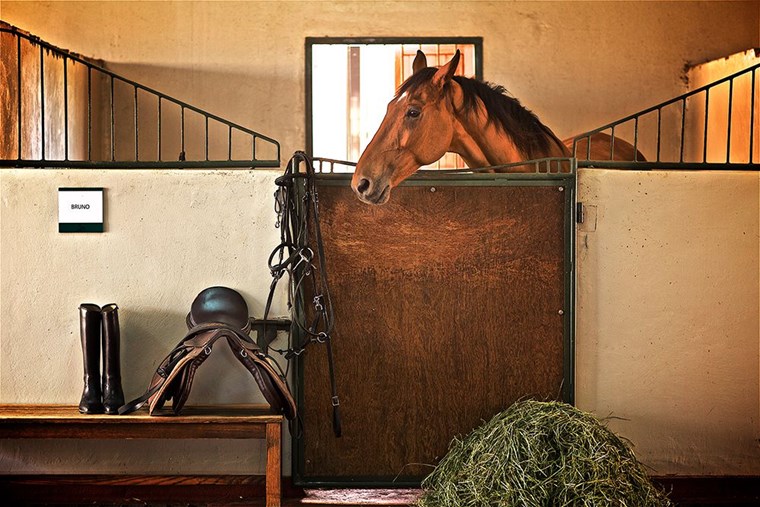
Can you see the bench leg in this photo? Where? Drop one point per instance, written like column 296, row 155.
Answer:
column 274, row 467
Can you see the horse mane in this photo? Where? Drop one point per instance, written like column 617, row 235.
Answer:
column 527, row 132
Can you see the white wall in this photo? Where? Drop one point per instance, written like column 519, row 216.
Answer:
column 668, row 333
column 577, row 64
column 169, row 234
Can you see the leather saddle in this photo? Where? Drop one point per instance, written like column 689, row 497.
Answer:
column 216, row 313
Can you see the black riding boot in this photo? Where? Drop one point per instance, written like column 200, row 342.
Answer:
column 89, row 328
column 113, row 396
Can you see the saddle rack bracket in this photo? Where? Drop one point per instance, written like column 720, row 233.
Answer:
column 266, row 330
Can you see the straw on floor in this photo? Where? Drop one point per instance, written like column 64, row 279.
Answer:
column 541, row 454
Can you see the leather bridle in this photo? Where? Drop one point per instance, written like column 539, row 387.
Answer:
column 300, row 258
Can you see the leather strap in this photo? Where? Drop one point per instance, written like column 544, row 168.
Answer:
column 298, row 216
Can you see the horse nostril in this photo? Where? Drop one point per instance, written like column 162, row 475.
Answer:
column 363, row 185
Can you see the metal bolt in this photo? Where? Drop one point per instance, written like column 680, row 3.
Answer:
column 561, row 312
column 432, row 189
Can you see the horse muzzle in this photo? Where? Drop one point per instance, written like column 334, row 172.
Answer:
column 371, row 192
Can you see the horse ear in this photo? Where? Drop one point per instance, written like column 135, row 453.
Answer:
column 446, row 72
column 420, row 62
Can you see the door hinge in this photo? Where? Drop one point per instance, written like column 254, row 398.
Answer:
column 579, row 212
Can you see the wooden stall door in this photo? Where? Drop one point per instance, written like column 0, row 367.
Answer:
column 449, row 304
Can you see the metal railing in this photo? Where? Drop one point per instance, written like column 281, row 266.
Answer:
column 547, row 166
column 90, row 117
column 710, row 127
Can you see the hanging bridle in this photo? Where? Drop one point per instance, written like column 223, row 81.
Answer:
column 297, row 208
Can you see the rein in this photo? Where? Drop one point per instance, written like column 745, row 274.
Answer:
column 296, row 201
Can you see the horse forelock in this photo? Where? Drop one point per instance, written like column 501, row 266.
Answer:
column 529, row 134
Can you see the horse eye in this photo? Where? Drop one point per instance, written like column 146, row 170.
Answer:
column 413, row 113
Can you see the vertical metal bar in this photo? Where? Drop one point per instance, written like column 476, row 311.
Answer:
column 113, row 126
column 752, row 120
column 683, row 125
column 612, row 143
column 89, row 113
column 707, row 115
column 659, row 131
column 730, row 106
column 635, row 139
column 229, row 142
column 18, row 91
column 206, row 129
column 137, row 137
column 182, row 131
column 253, row 148
column 42, row 100
column 65, row 108
column 588, row 148
column 158, row 155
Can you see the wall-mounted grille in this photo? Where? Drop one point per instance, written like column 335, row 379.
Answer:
column 61, row 110
column 710, row 127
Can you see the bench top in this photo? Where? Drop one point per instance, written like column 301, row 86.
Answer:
column 190, row 414
column 217, row 421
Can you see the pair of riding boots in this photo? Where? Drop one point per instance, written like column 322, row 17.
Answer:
column 100, row 327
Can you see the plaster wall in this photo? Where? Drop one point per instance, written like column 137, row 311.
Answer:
column 646, row 351
column 668, row 332
column 668, row 283
column 576, row 64
column 169, row 234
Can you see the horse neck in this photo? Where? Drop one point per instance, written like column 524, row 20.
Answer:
column 483, row 143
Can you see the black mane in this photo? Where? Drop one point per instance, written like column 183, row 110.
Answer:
column 528, row 133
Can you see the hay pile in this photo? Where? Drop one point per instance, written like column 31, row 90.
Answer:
column 541, row 454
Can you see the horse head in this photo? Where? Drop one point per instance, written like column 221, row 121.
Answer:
column 435, row 112
column 417, row 130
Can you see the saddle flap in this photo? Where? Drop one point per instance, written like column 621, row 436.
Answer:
column 177, row 384
column 215, row 312
column 272, row 385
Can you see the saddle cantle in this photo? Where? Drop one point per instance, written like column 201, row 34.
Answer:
column 216, row 312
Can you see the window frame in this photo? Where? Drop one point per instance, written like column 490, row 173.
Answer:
column 477, row 42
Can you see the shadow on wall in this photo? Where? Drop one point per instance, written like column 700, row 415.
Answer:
column 270, row 105
column 62, row 111
column 146, row 337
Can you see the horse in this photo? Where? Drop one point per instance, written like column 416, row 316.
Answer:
column 434, row 112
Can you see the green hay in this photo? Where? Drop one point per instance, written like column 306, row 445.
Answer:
column 542, row 454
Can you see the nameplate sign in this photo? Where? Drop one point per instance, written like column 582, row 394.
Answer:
column 80, row 210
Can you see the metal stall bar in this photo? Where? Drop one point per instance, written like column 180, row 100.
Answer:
column 42, row 102
column 682, row 99
column 137, row 128
column 116, row 160
column 18, row 93
column 549, row 165
column 752, row 119
column 707, row 116
column 65, row 109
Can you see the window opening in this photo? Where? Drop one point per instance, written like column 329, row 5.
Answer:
column 350, row 81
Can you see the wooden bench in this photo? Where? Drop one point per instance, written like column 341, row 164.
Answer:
column 225, row 421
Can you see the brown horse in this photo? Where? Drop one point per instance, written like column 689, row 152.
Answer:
column 435, row 112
